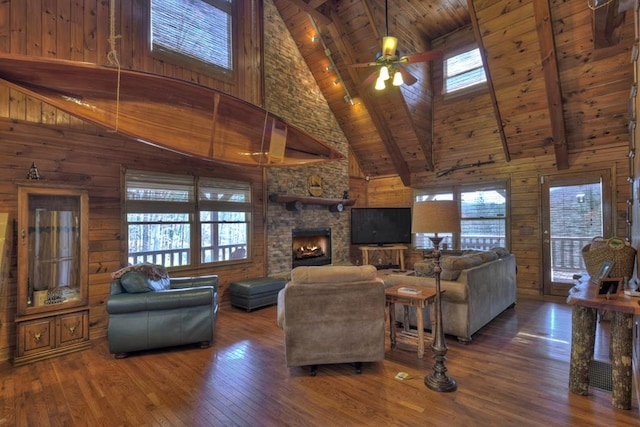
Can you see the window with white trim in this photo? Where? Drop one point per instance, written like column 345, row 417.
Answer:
column 483, row 217
column 194, row 29
column 463, row 70
column 172, row 217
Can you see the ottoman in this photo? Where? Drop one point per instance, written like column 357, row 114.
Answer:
column 255, row 293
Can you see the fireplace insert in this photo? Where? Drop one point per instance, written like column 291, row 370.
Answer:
column 311, row 246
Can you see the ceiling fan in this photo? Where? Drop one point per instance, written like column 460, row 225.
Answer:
column 390, row 64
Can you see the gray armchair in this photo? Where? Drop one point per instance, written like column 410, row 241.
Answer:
column 332, row 315
column 171, row 312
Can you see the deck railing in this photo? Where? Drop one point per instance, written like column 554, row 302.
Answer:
column 178, row 257
column 566, row 253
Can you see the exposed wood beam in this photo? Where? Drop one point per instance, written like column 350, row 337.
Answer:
column 551, row 75
column 607, row 19
column 311, row 10
column 492, row 91
column 347, row 53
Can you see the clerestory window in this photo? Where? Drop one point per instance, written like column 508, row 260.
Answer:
column 200, row 30
column 463, row 71
column 172, row 217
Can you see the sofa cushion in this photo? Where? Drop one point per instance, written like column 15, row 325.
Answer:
column 333, row 274
column 424, row 268
column 501, row 252
column 453, row 265
column 136, row 282
column 488, row 256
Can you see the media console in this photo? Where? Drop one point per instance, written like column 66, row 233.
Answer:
column 395, row 253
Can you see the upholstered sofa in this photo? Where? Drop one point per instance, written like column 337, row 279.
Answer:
column 147, row 312
column 332, row 314
column 477, row 285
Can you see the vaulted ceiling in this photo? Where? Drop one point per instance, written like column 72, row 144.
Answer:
column 390, row 132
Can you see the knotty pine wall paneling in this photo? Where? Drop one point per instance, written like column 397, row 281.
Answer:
column 466, row 131
column 71, row 151
column 94, row 161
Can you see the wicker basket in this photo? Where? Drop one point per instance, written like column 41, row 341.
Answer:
column 616, row 250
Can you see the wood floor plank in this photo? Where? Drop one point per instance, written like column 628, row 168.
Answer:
column 514, row 373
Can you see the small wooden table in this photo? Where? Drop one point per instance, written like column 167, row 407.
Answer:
column 419, row 301
column 583, row 322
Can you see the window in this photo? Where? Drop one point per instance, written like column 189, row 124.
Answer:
column 463, row 70
column 171, row 217
column 195, row 29
column 483, row 217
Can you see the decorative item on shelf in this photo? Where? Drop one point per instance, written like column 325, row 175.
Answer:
column 338, row 207
column 609, row 287
column 314, row 185
column 617, row 252
column 33, row 173
column 439, row 216
column 54, row 296
column 295, row 203
column 345, row 194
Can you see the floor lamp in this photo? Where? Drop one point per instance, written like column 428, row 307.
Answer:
column 438, row 216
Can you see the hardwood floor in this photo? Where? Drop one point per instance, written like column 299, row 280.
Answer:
column 515, row 373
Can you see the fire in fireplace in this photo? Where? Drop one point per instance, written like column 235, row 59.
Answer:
column 311, row 246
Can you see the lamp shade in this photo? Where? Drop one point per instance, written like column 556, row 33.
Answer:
column 437, row 216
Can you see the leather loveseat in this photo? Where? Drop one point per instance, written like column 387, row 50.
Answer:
column 169, row 312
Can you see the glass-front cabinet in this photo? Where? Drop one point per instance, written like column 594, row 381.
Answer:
column 52, row 306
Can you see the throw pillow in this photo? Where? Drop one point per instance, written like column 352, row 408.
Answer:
column 502, row 252
column 135, row 282
column 453, row 265
column 424, row 268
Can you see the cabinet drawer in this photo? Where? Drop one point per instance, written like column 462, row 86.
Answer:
column 72, row 328
column 36, row 335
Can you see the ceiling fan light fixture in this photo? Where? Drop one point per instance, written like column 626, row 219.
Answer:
column 397, row 79
column 389, row 45
column 384, row 73
column 380, row 84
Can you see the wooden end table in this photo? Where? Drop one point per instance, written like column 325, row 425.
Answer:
column 418, row 301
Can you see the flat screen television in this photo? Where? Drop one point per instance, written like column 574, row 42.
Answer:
column 380, row 226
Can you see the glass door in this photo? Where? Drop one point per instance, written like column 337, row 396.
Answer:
column 575, row 210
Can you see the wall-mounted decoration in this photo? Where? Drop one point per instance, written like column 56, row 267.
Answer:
column 33, row 173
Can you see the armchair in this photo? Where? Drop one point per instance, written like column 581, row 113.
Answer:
column 170, row 312
column 333, row 314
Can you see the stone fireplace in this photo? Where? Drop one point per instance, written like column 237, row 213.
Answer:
column 311, row 246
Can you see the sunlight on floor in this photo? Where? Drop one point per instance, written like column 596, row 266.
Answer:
column 542, row 338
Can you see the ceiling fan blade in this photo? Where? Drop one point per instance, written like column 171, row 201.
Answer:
column 366, row 82
column 360, row 65
column 407, row 77
column 422, row 57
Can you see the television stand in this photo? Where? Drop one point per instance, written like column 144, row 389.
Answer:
column 395, row 253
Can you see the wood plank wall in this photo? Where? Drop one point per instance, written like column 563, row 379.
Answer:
column 94, row 160
column 71, row 151
column 465, row 131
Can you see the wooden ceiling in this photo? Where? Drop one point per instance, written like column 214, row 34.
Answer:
column 530, row 51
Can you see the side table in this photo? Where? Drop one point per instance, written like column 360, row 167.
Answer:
column 418, row 301
column 585, row 304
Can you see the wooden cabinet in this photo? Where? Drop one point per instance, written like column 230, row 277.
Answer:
column 52, row 297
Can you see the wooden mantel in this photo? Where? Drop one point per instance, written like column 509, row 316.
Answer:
column 295, row 203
